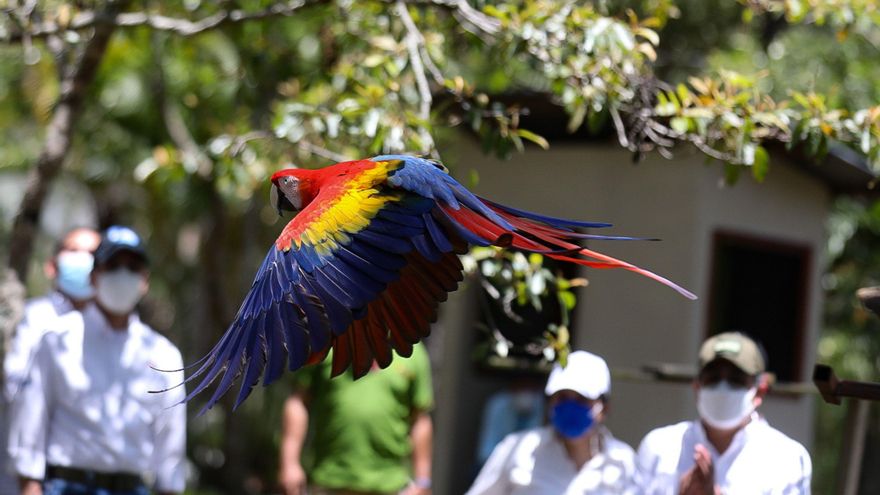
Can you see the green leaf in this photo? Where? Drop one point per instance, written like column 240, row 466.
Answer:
column 666, row 107
column 801, row 99
column 531, row 136
column 683, row 93
column 731, row 173
column 517, row 141
column 373, row 60
column 761, row 164
column 577, row 118
column 522, row 296
column 568, row 299
column 680, row 124
column 596, row 121
column 473, row 178
column 648, row 34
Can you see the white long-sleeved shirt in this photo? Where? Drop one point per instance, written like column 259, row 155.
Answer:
column 535, row 462
column 87, row 404
column 759, row 460
column 39, row 315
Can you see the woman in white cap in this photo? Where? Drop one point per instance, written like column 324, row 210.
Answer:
column 576, row 454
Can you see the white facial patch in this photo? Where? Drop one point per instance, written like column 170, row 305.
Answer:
column 290, row 188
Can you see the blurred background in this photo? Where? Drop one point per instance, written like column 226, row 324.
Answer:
column 743, row 133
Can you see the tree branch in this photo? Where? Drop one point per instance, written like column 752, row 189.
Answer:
column 481, row 23
column 238, row 143
column 414, row 42
column 618, row 126
column 183, row 27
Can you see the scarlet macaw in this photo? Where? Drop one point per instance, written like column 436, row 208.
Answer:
column 364, row 264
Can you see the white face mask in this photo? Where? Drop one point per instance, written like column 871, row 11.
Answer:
column 724, row 407
column 119, row 291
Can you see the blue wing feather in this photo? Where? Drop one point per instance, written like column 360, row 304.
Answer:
column 387, row 227
column 426, row 179
column 440, row 239
column 425, row 246
column 397, row 245
column 372, row 270
column 296, row 336
column 255, row 361
column 275, row 347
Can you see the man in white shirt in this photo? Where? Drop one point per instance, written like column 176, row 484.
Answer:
column 576, row 454
column 730, row 450
column 69, row 270
column 84, row 421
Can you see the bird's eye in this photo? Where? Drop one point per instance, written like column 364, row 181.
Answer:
column 287, row 180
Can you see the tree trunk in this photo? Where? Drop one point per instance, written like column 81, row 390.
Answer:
column 74, row 86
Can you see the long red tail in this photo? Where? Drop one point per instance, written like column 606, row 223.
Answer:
column 552, row 237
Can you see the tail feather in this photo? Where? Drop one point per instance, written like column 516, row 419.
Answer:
column 562, row 223
column 528, row 225
column 549, row 236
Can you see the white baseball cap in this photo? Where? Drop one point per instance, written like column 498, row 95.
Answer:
column 585, row 373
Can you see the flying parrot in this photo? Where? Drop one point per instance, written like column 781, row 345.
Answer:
column 363, row 265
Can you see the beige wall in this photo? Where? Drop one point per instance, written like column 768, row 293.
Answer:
column 626, row 318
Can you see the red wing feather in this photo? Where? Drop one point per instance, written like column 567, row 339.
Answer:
column 399, row 317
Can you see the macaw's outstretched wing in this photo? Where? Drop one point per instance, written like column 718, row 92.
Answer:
column 360, row 271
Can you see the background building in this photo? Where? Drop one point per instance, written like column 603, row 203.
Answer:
column 752, row 252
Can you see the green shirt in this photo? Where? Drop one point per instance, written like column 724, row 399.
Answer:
column 360, row 429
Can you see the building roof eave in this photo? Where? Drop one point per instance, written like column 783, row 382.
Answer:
column 843, row 170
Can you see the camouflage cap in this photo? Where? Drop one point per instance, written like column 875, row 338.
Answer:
column 736, row 348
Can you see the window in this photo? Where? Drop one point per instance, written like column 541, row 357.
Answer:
column 760, row 286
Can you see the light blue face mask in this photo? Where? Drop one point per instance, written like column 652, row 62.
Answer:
column 74, row 269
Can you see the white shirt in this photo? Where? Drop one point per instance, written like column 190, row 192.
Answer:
column 759, row 460
column 534, row 462
column 86, row 402
column 39, row 314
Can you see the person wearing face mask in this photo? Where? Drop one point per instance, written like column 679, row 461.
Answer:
column 84, row 421
column 731, row 449
column 518, row 407
column 68, row 270
column 575, row 454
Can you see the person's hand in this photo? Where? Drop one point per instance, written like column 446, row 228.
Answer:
column 292, row 479
column 31, row 487
column 700, row 479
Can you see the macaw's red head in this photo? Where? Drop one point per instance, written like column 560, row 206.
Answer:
column 292, row 189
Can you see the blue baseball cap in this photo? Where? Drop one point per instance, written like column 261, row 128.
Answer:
column 119, row 238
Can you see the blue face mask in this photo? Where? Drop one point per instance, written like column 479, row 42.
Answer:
column 74, row 268
column 571, row 418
